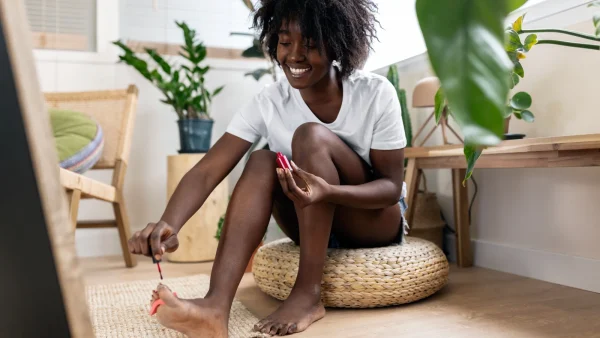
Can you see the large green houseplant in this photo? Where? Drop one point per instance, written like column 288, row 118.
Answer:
column 477, row 62
column 183, row 86
column 392, row 76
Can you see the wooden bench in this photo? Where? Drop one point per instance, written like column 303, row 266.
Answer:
column 548, row 152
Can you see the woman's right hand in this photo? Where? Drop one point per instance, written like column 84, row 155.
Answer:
column 154, row 240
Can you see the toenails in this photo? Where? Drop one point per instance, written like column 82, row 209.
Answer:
column 283, row 330
column 273, row 330
column 292, row 329
column 258, row 326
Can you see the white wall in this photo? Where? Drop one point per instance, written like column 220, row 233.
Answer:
column 540, row 223
column 155, row 134
column 213, row 21
column 399, row 36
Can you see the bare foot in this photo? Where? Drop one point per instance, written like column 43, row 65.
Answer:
column 192, row 317
column 294, row 315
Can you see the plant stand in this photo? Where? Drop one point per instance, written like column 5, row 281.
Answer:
column 197, row 242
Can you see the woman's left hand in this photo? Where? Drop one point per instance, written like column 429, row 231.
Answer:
column 315, row 188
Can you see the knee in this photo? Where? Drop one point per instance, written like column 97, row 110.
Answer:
column 261, row 162
column 311, row 138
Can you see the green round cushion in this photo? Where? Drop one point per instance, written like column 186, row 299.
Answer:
column 79, row 139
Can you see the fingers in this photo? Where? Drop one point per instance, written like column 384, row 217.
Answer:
column 131, row 243
column 149, row 241
column 161, row 231
column 292, row 186
column 170, row 244
column 139, row 241
column 143, row 238
column 282, row 180
column 301, row 173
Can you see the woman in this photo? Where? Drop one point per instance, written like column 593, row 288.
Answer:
column 341, row 127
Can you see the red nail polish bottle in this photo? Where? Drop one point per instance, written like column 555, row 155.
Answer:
column 282, row 161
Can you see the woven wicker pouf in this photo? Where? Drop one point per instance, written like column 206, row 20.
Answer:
column 358, row 278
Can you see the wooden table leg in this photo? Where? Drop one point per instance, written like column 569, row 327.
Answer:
column 413, row 175
column 464, row 255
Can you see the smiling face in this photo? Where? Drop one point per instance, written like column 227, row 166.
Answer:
column 303, row 64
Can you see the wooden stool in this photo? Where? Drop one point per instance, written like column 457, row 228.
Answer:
column 197, row 240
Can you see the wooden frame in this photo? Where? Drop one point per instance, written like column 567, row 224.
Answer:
column 46, row 40
column 175, row 49
column 550, row 152
column 116, row 158
column 42, row 288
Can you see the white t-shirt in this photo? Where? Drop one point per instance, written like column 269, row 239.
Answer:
column 369, row 118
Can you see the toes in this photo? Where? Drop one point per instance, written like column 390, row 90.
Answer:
column 166, row 295
column 162, row 286
column 266, row 327
column 283, row 329
column 274, row 329
column 258, row 326
column 292, row 329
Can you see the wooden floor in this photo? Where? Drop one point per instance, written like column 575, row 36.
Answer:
column 476, row 303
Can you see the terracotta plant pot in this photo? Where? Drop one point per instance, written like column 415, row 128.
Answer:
column 249, row 267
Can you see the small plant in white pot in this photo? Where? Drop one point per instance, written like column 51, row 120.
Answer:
column 183, row 86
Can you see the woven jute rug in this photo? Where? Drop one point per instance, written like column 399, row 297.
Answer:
column 121, row 310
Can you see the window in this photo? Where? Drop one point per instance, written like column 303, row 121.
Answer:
column 62, row 24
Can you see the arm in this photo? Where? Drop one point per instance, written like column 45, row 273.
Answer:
column 382, row 192
column 197, row 184
column 191, row 192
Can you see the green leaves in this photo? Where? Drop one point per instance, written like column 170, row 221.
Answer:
column 519, row 69
column 258, row 73
column 517, row 26
column 512, row 41
column 515, row 80
column 465, row 43
column 596, row 20
column 218, row 90
column 472, row 153
column 405, row 117
column 184, row 85
column 440, row 103
column 519, row 105
column 393, row 77
column 527, row 116
column 158, row 59
column 255, row 51
column 521, row 101
column 530, row 41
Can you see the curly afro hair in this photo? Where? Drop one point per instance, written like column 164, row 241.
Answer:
column 345, row 28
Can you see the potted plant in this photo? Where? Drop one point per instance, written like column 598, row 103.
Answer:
column 183, row 85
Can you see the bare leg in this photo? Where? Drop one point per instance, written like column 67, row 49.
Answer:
column 320, row 152
column 246, row 221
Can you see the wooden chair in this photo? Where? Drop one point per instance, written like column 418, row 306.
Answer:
column 115, row 112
